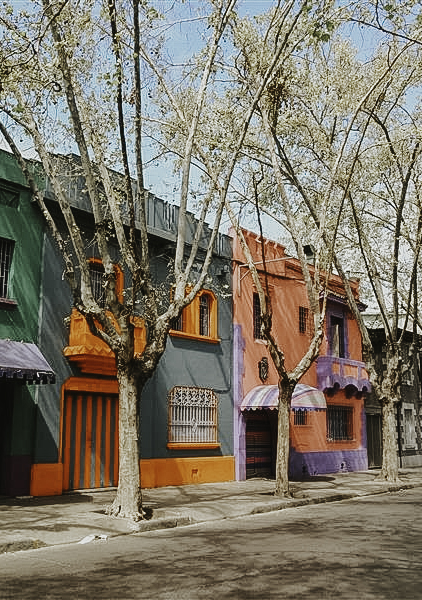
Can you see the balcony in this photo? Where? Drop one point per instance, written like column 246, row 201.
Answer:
column 335, row 372
column 91, row 354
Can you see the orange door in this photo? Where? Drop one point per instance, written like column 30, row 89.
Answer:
column 90, row 440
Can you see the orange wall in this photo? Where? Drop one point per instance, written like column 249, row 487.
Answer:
column 288, row 292
column 313, row 437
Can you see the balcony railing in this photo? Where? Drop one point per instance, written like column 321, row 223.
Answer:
column 90, row 353
column 333, row 371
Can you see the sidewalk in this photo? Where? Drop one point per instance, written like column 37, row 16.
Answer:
column 27, row 523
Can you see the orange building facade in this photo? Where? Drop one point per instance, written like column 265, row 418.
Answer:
column 327, row 422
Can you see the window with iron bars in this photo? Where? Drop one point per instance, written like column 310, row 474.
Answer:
column 339, row 423
column 303, row 319
column 192, row 415
column 204, row 315
column 6, row 252
column 257, row 318
column 96, row 271
column 301, row 417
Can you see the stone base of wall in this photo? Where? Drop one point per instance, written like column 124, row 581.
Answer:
column 305, row 464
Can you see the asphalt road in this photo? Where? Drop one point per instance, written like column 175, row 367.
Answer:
column 357, row 549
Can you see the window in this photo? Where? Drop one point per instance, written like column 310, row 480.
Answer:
column 96, row 271
column 198, row 319
column 6, row 252
column 409, row 427
column 301, row 417
column 337, row 337
column 257, row 318
column 339, row 423
column 192, row 416
column 303, row 319
column 9, row 196
column 204, row 315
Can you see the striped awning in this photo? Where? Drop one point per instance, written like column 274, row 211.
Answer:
column 266, row 396
column 25, row 362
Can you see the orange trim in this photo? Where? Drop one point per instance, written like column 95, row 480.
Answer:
column 46, row 479
column 119, row 276
column 78, row 434
column 189, row 446
column 194, row 336
column 66, row 460
column 107, row 481
column 116, row 445
column 98, row 428
column 88, row 443
column 91, row 384
column 160, row 472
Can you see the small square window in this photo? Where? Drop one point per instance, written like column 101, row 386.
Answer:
column 301, row 417
column 339, row 423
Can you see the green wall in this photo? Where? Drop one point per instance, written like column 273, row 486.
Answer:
column 24, row 225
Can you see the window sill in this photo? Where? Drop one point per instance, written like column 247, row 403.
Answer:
column 193, row 446
column 194, row 336
column 7, row 303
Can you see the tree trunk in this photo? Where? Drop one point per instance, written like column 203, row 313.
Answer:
column 128, row 501
column 283, row 441
column 390, row 467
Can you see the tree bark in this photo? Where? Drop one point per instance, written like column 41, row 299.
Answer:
column 390, row 466
column 128, row 501
column 283, row 442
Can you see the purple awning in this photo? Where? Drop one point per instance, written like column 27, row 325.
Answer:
column 266, row 396
column 24, row 361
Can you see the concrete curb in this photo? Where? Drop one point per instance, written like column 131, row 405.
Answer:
column 184, row 520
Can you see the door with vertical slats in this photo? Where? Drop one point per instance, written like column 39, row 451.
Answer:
column 90, row 440
column 258, row 446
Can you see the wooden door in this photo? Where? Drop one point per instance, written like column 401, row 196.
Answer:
column 374, row 440
column 90, row 447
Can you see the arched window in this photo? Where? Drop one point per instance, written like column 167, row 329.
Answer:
column 199, row 319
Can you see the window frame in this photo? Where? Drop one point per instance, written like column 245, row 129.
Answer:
column 301, row 417
column 256, row 317
column 190, row 321
column 183, row 405
column 337, row 321
column 7, row 250
column 342, row 431
column 97, row 263
column 303, row 319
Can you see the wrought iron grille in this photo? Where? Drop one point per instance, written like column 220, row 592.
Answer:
column 96, row 272
column 301, row 417
column 303, row 319
column 339, row 423
column 6, row 251
column 256, row 318
column 192, row 415
column 204, row 315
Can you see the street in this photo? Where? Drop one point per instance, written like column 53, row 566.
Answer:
column 357, row 549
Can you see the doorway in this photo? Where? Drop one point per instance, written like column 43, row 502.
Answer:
column 374, row 440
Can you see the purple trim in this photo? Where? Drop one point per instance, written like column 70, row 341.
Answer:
column 303, row 464
column 327, row 379
column 239, row 422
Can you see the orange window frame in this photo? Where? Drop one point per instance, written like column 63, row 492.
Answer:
column 190, row 319
column 119, row 276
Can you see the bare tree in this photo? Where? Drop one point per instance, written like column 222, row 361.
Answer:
column 80, row 71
